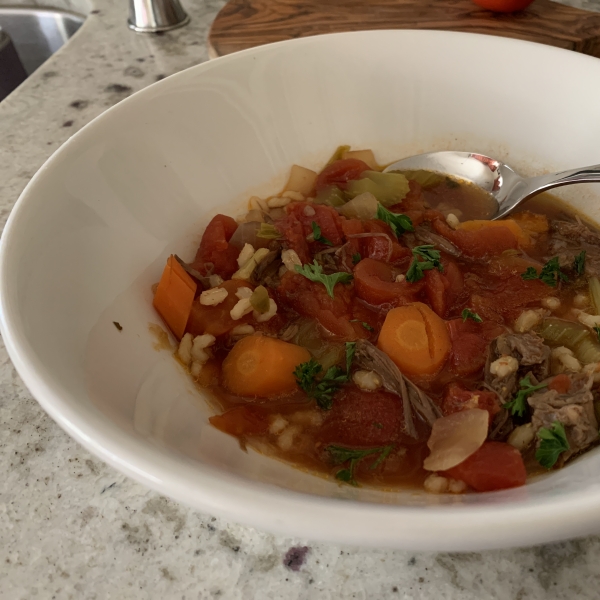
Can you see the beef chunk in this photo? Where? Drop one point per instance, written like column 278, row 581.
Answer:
column 568, row 239
column 575, row 410
column 532, row 355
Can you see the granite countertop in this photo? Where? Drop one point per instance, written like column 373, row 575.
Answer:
column 73, row 527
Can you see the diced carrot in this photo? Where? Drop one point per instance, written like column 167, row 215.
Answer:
column 261, row 366
column 522, row 236
column 531, row 222
column 561, row 383
column 174, row 296
column 415, row 338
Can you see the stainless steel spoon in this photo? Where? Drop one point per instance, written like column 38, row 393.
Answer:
column 508, row 188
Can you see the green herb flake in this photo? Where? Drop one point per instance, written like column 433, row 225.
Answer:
column 356, row 258
column 378, row 425
column 365, row 325
column 431, row 260
column 266, row 231
column 321, row 390
column 518, row 405
column 597, row 330
column 118, row 325
column 579, row 263
column 398, row 222
column 315, row 273
column 318, row 237
column 340, row 455
column 469, row 314
column 350, row 351
column 550, row 273
column 553, row 443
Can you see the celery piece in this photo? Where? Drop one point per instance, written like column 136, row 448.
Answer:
column 331, row 196
column 338, row 154
column 388, row 188
column 576, row 337
column 426, row 179
column 260, row 299
column 594, row 285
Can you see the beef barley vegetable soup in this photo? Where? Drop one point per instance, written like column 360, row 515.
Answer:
column 375, row 327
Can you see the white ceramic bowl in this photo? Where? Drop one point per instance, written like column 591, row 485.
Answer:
column 91, row 233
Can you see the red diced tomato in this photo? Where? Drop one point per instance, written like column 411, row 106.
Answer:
column 293, row 231
column 374, row 284
column 363, row 419
column 216, row 250
column 459, row 398
column 495, row 466
column 340, row 172
column 326, row 217
column 242, row 421
column 561, row 383
column 310, row 299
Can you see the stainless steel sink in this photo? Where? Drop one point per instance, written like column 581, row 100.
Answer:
column 36, row 34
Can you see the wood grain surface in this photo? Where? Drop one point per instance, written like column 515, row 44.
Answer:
column 244, row 24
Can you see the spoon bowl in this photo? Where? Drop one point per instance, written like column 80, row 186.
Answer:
column 496, row 178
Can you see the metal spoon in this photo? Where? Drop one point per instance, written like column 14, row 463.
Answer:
column 507, row 187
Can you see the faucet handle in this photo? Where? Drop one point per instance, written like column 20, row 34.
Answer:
column 152, row 16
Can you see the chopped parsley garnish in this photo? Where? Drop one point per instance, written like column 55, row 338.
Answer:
column 469, row 314
column 266, row 231
column 365, row 325
column 550, row 273
column 118, row 325
column 431, row 260
column 318, row 237
column 553, row 444
column 579, row 263
column 597, row 330
column 315, row 273
column 398, row 222
column 322, row 390
column 356, row 258
column 340, row 455
column 518, row 405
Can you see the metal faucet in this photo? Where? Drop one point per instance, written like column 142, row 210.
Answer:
column 152, row 16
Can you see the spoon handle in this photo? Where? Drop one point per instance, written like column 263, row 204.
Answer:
column 534, row 185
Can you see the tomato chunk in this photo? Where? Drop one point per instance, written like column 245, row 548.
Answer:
column 561, row 383
column 326, row 217
column 459, row 398
column 340, row 172
column 374, row 284
column 470, row 344
column 216, row 250
column 363, row 419
column 310, row 299
column 495, row 466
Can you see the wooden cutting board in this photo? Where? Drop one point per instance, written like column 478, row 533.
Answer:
column 244, row 24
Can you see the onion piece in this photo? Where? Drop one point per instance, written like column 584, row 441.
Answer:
column 246, row 233
column 455, row 437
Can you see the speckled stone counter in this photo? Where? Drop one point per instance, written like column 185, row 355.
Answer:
column 72, row 527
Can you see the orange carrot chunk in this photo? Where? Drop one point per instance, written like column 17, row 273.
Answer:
column 523, row 238
column 174, row 297
column 416, row 339
column 261, row 366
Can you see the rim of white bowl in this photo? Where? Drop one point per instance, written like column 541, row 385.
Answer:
column 266, row 506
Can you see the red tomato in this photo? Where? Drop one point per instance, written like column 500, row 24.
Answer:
column 340, row 172
column 242, row 420
column 216, row 249
column 293, row 231
column 326, row 217
column 310, row 299
column 373, row 283
column 216, row 320
column 364, row 419
column 504, row 6
column 458, row 398
column 495, row 466
column 386, row 249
